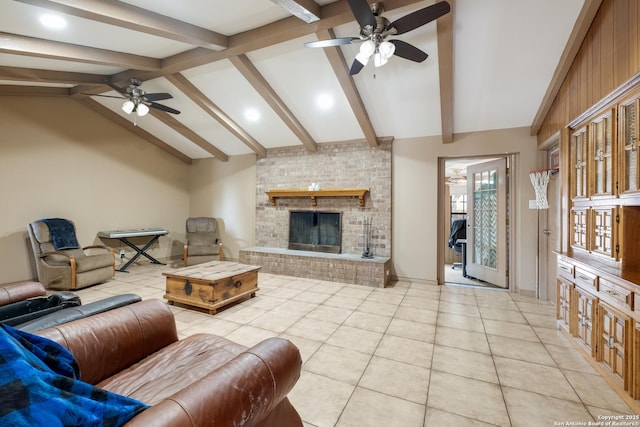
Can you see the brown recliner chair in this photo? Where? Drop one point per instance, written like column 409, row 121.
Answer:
column 69, row 266
column 203, row 242
column 201, row 380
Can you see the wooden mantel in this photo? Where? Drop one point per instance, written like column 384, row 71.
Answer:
column 360, row 193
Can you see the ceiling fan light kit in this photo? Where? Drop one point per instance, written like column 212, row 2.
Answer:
column 375, row 28
column 137, row 100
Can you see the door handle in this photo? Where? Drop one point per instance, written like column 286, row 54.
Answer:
column 546, row 231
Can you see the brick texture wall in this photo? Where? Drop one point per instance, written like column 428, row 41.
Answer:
column 340, row 165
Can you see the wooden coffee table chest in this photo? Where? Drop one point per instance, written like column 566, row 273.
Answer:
column 211, row 285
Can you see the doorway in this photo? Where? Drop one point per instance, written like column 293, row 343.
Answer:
column 473, row 214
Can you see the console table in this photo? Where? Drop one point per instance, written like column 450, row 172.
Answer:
column 124, row 235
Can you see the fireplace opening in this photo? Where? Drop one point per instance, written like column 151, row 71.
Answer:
column 315, row 231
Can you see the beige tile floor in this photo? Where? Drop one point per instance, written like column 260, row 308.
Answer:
column 407, row 355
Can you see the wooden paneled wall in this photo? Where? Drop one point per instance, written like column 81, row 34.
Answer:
column 609, row 56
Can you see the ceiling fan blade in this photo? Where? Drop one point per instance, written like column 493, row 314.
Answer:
column 420, row 17
column 163, row 108
column 407, row 51
column 356, row 67
column 363, row 14
column 333, row 42
column 156, row 96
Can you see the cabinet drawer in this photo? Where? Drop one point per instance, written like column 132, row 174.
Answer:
column 616, row 294
column 585, row 279
column 565, row 269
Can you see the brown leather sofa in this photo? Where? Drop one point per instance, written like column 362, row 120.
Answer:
column 201, row 380
column 19, row 291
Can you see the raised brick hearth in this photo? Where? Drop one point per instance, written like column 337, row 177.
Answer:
column 334, row 165
column 342, row 268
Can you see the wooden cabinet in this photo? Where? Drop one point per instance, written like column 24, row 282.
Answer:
column 604, row 182
column 563, row 307
column 578, row 164
column 586, row 313
column 598, row 300
column 602, row 312
column 579, row 228
column 629, row 143
column 614, row 346
column 602, row 149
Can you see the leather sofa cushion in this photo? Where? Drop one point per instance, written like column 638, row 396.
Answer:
column 173, row 368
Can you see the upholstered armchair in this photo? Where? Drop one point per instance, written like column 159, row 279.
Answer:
column 61, row 262
column 203, row 242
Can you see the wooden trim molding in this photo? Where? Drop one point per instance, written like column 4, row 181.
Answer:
column 445, row 68
column 360, row 193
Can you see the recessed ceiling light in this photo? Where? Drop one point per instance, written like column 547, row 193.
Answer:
column 252, row 114
column 325, row 101
column 52, row 21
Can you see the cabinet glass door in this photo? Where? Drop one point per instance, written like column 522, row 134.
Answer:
column 602, row 139
column 629, row 145
column 579, row 164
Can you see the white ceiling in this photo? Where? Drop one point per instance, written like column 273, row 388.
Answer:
column 504, row 55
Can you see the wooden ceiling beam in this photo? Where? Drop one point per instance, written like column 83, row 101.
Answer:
column 135, row 18
column 333, row 15
column 306, row 10
column 341, row 69
column 260, row 84
column 174, row 124
column 19, row 90
column 189, row 89
column 31, row 46
column 580, row 30
column 126, row 124
column 47, row 76
column 445, row 69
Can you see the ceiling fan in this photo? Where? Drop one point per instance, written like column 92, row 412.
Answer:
column 375, row 28
column 457, row 178
column 138, row 100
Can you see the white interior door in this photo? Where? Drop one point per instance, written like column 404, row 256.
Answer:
column 487, row 222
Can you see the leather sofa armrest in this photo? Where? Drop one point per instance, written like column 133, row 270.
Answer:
column 107, row 343
column 19, row 291
column 241, row 392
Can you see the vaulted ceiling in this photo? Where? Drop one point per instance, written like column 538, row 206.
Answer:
column 244, row 82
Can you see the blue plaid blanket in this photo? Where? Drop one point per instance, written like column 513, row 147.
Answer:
column 63, row 234
column 40, row 386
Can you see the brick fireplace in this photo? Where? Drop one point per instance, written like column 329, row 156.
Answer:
column 335, row 165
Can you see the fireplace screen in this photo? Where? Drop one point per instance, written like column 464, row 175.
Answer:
column 315, row 231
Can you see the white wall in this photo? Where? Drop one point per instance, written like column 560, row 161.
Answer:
column 227, row 191
column 415, row 190
column 57, row 158
column 60, row 159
